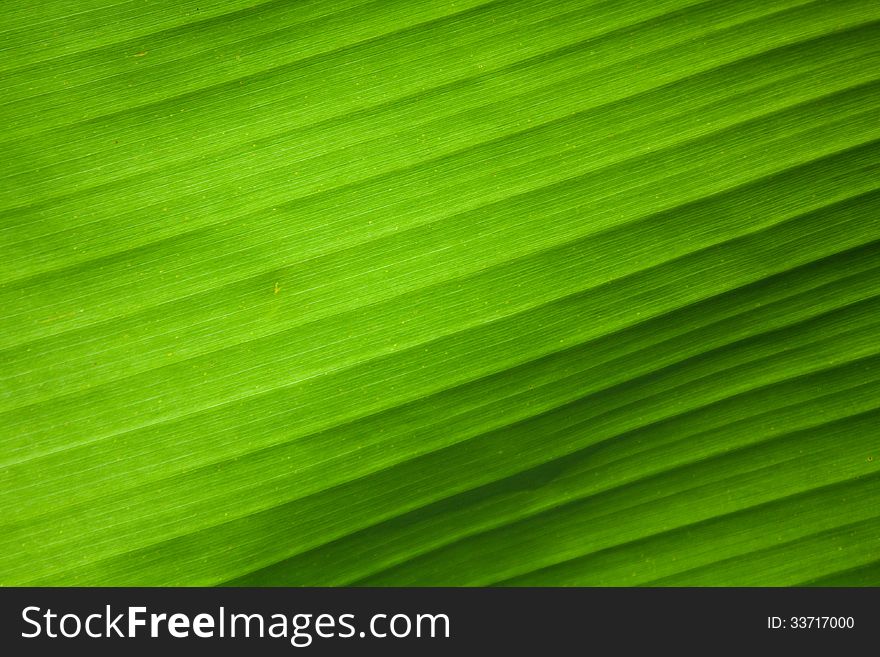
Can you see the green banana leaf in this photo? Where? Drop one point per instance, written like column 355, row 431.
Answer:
column 417, row 292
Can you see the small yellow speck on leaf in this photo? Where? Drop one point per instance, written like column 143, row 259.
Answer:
column 141, row 53
column 277, row 287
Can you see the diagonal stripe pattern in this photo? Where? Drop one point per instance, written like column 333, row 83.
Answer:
column 508, row 292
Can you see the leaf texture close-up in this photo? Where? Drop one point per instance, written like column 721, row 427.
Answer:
column 414, row 292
